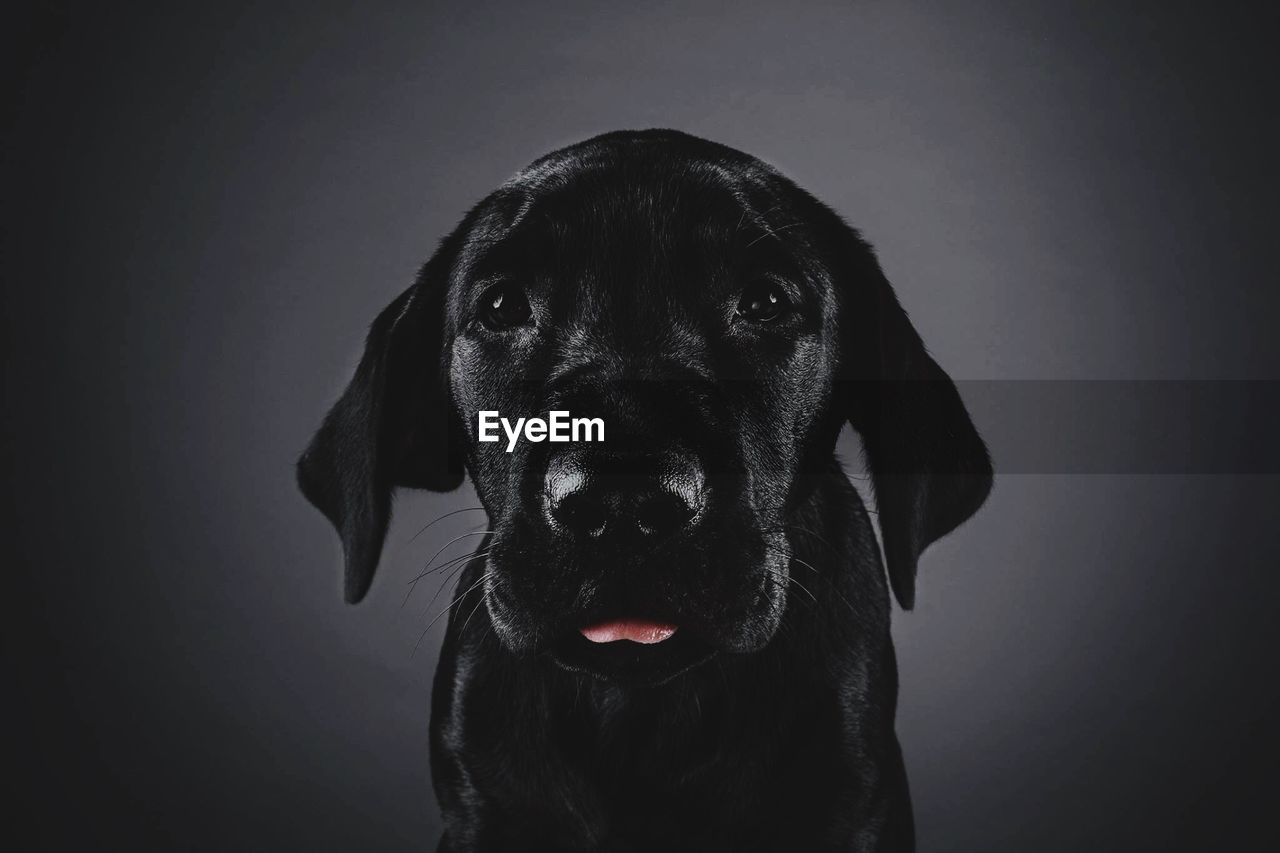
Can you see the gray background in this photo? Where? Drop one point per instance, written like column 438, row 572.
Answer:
column 206, row 206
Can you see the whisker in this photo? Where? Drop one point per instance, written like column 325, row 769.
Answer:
column 809, row 566
column 457, row 599
column 460, row 564
column 461, row 558
column 790, row 579
column 444, row 565
column 755, row 217
column 458, row 568
column 467, row 621
column 773, row 232
column 457, row 539
column 830, row 583
column 443, row 517
column 815, row 535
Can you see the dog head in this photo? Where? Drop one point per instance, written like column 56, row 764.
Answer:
column 722, row 325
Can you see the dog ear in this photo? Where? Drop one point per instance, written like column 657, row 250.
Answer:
column 392, row 426
column 929, row 468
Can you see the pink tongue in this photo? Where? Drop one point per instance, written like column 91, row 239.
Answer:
column 635, row 630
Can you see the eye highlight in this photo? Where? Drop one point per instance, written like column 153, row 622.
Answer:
column 504, row 306
column 762, row 302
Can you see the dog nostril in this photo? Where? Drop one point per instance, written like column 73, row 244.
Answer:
column 581, row 514
column 662, row 513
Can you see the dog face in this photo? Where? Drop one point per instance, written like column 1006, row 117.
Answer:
column 722, row 324
column 643, row 291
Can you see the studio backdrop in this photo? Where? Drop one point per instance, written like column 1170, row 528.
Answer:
column 206, row 205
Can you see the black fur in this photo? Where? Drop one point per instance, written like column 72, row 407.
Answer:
column 767, row 721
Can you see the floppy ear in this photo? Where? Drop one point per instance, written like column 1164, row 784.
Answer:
column 929, row 468
column 393, row 426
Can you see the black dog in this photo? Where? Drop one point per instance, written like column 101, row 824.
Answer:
column 678, row 638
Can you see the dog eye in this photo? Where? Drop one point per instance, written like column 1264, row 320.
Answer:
column 504, row 306
column 762, row 302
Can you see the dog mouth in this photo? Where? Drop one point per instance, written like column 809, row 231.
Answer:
column 642, row 631
column 630, row 650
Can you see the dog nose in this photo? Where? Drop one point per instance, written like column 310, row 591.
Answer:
column 651, row 497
